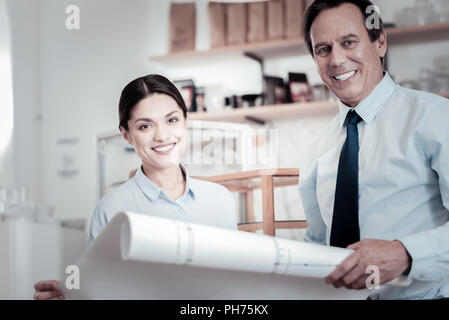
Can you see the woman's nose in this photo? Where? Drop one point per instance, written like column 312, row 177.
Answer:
column 162, row 133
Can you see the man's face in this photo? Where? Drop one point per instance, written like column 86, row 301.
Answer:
column 348, row 62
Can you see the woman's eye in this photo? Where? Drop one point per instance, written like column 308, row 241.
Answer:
column 173, row 120
column 144, row 126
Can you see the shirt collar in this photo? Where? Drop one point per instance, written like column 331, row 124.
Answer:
column 153, row 192
column 368, row 108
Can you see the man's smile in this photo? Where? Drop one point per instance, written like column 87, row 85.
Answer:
column 345, row 76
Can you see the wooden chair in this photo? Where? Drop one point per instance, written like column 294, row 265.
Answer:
column 266, row 180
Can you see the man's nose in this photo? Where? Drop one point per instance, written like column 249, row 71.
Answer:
column 337, row 57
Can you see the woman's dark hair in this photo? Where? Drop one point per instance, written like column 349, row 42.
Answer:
column 321, row 5
column 141, row 88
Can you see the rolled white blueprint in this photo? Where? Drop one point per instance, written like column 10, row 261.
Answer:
column 145, row 257
column 155, row 239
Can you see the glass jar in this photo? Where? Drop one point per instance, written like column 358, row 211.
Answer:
column 427, row 80
column 441, row 11
column 424, row 11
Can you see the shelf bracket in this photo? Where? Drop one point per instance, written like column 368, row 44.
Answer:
column 253, row 119
column 258, row 59
column 254, row 57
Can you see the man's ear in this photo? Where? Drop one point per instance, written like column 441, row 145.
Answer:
column 125, row 135
column 381, row 45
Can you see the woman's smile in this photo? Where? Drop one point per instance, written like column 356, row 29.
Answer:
column 164, row 149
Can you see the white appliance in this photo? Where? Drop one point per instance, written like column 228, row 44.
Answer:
column 32, row 251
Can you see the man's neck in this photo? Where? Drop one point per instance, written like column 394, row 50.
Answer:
column 353, row 104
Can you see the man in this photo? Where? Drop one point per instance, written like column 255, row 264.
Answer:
column 381, row 171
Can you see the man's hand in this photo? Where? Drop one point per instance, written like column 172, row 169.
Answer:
column 390, row 257
column 48, row 290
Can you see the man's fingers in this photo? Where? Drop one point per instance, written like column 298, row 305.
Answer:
column 354, row 246
column 353, row 275
column 48, row 295
column 338, row 284
column 46, row 285
column 343, row 268
column 358, row 284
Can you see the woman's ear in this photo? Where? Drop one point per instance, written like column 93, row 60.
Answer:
column 125, row 135
column 186, row 119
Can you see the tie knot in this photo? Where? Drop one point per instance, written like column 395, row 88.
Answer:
column 353, row 118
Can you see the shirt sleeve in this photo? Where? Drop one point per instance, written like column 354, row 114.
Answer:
column 430, row 249
column 316, row 229
column 231, row 214
column 97, row 224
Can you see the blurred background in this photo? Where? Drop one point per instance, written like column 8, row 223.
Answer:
column 241, row 67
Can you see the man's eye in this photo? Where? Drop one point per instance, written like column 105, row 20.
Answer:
column 348, row 43
column 323, row 51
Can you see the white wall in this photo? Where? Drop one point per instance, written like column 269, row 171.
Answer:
column 83, row 72
column 27, row 140
column 80, row 73
column 6, row 100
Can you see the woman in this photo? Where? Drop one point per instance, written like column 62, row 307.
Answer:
column 153, row 119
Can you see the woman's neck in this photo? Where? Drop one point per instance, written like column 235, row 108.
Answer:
column 170, row 180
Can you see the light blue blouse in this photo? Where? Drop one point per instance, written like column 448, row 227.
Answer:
column 403, row 181
column 203, row 202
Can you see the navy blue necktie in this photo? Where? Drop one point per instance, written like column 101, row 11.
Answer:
column 345, row 221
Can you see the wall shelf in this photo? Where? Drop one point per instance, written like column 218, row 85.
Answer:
column 428, row 32
column 274, row 112
column 284, row 48
column 270, row 113
column 264, row 49
column 289, row 47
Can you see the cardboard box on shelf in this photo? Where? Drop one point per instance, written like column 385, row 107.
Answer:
column 217, row 24
column 294, row 12
column 275, row 19
column 308, row 3
column 236, row 23
column 257, row 26
column 182, row 27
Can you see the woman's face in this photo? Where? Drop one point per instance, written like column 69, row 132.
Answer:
column 157, row 130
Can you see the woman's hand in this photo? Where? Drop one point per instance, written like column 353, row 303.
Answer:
column 48, row 290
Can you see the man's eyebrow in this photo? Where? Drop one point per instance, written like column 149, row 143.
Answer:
column 351, row 35
column 324, row 43
column 320, row 44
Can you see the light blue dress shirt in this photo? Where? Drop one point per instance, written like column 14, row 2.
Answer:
column 403, row 181
column 203, row 202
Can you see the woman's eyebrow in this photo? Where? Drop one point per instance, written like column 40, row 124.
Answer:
column 143, row 119
column 171, row 113
column 151, row 120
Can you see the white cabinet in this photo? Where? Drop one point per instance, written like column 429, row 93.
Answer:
column 214, row 148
